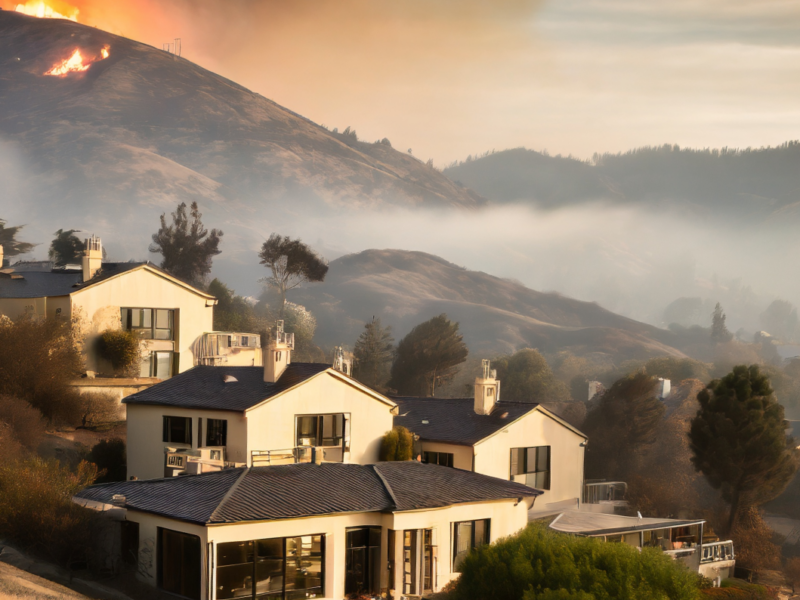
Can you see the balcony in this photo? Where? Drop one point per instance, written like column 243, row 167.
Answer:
column 298, row 454
column 605, row 496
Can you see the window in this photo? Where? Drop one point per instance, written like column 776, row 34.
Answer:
column 179, row 563
column 320, row 430
column 409, row 561
column 468, row 535
column 363, row 561
column 158, row 364
column 149, row 323
column 129, row 542
column 216, row 432
column 277, row 568
column 533, row 462
column 427, row 561
column 178, row 430
column 444, row 459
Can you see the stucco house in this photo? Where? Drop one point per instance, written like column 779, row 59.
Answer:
column 515, row 441
column 308, row 530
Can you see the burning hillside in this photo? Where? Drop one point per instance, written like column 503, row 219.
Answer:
column 49, row 10
column 76, row 63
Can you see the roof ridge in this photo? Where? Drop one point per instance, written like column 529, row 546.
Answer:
column 228, row 494
column 388, row 487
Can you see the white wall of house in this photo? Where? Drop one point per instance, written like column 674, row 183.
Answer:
column 493, row 454
column 14, row 308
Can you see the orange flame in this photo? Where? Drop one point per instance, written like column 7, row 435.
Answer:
column 41, row 9
column 75, row 63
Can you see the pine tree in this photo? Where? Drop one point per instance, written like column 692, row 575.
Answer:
column 291, row 263
column 373, row 354
column 8, row 240
column 719, row 331
column 66, row 248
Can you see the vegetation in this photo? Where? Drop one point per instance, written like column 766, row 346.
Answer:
column 8, row 240
column 66, row 248
column 235, row 313
column 526, row 377
column 676, row 369
column 736, row 589
column 96, row 408
column 540, row 564
column 23, row 423
column 302, row 324
column 291, row 263
column 739, row 442
column 719, row 331
column 427, row 357
column 397, row 445
column 186, row 246
column 373, row 353
column 754, row 542
column 780, row 319
column 110, row 457
column 121, row 348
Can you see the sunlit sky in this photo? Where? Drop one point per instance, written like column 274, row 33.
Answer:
column 449, row 78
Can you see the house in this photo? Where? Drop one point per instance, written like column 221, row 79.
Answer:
column 212, row 417
column 683, row 540
column 169, row 315
column 308, row 530
column 516, row 441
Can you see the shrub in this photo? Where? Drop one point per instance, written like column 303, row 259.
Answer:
column 397, row 445
column 25, row 422
column 97, row 408
column 540, row 564
column 110, row 458
column 120, row 347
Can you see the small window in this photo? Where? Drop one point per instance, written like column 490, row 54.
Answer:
column 158, row 364
column 468, row 535
column 534, row 463
column 445, row 459
column 278, row 356
column 216, row 432
column 178, row 430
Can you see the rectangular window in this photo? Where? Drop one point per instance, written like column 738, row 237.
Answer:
column 149, row 323
column 427, row 561
column 158, row 364
column 534, row 463
column 129, row 542
column 468, row 535
column 444, row 459
column 178, row 430
column 216, row 432
column 320, row 430
column 179, row 563
column 363, row 561
column 409, row 561
column 277, row 568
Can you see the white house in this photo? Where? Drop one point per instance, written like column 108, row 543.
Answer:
column 309, row 530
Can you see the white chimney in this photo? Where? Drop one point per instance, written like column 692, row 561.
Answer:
column 92, row 259
column 278, row 355
column 487, row 390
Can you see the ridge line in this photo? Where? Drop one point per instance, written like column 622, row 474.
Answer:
column 228, row 494
column 388, row 487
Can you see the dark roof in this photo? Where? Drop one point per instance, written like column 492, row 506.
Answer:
column 453, row 420
column 304, row 490
column 205, row 387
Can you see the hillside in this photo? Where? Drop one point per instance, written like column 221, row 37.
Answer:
column 496, row 315
column 109, row 148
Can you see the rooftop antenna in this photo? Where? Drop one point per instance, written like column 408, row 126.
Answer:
column 173, row 47
column 177, row 46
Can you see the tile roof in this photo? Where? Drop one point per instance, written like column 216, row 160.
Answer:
column 205, row 387
column 453, row 420
column 303, row 490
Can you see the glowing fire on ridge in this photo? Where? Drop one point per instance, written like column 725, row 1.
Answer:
column 75, row 63
column 43, row 10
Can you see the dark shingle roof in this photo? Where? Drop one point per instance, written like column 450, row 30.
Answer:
column 453, row 420
column 303, row 490
column 205, row 387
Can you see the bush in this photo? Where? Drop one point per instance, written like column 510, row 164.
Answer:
column 540, row 564
column 110, row 458
column 397, row 445
column 121, row 348
column 97, row 408
column 736, row 589
column 25, row 423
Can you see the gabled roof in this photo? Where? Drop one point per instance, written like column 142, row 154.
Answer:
column 305, row 490
column 205, row 387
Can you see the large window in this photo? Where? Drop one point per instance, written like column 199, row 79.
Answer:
column 157, row 364
column 363, row 561
column 444, row 459
column 534, row 463
column 277, row 568
column 320, row 430
column 178, row 430
column 466, row 536
column 149, row 323
column 179, row 563
column 216, row 432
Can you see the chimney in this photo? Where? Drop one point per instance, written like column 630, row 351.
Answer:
column 92, row 257
column 278, row 355
column 1, row 257
column 487, row 390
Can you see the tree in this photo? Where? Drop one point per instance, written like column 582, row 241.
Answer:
column 235, row 313
column 303, row 324
column 110, row 458
column 8, row 240
column 428, row 356
column 739, row 442
column 292, row 263
column 526, row 377
column 186, row 245
column 780, row 319
column 66, row 248
column 719, row 331
column 373, row 354
column 397, row 445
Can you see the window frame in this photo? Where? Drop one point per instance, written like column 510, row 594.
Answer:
column 319, row 430
column 523, row 467
column 371, row 571
column 126, row 319
column 449, row 460
column 487, row 534
column 167, row 430
column 222, row 432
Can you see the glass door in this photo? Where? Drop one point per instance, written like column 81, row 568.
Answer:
column 409, row 561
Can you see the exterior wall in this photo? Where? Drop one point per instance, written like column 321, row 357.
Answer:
column 462, row 455
column 271, row 426
column 99, row 307
column 145, row 436
column 493, row 456
column 14, row 308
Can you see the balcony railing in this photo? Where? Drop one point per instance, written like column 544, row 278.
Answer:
column 298, row 454
column 717, row 551
column 599, row 492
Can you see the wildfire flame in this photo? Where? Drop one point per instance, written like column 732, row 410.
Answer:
column 75, row 63
column 43, row 10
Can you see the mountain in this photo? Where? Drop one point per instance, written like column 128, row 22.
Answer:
column 109, row 148
column 404, row 288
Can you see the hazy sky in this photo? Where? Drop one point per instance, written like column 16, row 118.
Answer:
column 449, row 78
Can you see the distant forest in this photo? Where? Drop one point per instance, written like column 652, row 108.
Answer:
column 749, row 182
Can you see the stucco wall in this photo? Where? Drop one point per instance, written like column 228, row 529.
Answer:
column 462, row 455
column 493, row 456
column 14, row 308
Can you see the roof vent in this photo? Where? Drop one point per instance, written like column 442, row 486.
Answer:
column 425, row 421
column 229, row 379
column 118, row 500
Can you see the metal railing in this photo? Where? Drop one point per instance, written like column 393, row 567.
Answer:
column 298, row 454
column 717, row 551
